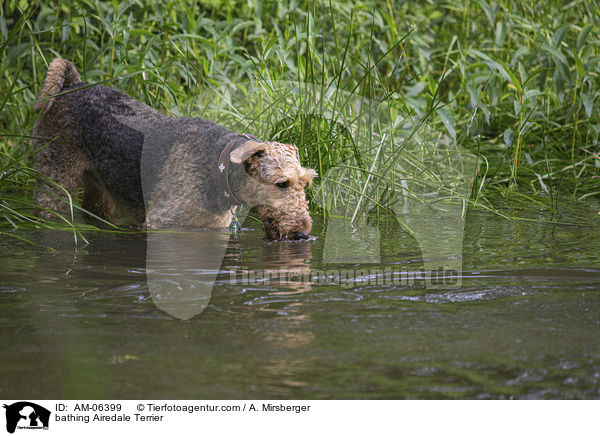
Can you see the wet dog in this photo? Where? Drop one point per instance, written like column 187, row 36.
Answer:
column 139, row 166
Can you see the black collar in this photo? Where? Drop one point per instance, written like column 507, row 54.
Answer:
column 223, row 169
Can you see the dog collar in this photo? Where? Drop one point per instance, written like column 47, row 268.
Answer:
column 223, row 169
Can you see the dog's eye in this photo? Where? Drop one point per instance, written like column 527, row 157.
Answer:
column 283, row 185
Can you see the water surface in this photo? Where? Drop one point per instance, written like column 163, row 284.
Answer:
column 524, row 323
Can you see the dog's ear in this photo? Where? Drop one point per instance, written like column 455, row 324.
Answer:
column 247, row 149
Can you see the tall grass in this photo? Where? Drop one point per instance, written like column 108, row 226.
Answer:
column 516, row 82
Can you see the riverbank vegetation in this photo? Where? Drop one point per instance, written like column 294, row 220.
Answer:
column 514, row 82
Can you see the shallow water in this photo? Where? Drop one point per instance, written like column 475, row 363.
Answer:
column 523, row 323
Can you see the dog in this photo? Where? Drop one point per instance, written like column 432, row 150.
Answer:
column 140, row 167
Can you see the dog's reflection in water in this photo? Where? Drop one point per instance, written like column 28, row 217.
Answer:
column 280, row 268
column 183, row 267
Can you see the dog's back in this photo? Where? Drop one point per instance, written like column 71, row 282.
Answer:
column 84, row 143
column 93, row 135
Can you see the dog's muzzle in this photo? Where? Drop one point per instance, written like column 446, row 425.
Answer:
column 272, row 232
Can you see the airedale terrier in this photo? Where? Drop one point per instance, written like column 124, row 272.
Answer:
column 159, row 171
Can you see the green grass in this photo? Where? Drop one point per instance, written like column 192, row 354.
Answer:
column 515, row 82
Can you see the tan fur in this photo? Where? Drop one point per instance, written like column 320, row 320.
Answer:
column 61, row 74
column 288, row 207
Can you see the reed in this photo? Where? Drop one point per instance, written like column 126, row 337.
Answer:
column 514, row 82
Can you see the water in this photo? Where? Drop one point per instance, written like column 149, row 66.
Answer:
column 524, row 323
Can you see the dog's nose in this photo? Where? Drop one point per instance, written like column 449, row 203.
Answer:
column 298, row 235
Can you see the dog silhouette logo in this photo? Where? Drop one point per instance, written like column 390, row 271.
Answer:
column 26, row 415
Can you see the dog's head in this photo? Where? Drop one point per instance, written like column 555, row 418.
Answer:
column 274, row 182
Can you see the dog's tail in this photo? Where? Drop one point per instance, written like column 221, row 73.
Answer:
column 61, row 74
